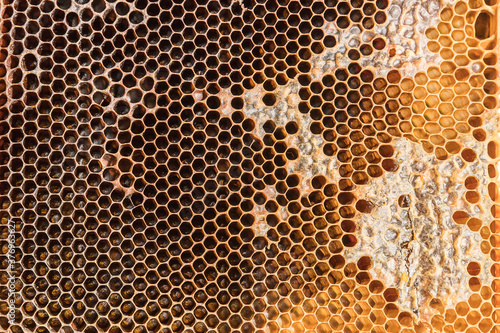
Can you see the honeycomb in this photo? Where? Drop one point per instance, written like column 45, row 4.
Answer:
column 290, row 166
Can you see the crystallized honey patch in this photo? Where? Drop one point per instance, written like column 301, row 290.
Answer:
column 253, row 166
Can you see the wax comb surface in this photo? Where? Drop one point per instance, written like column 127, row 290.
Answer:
column 290, row 166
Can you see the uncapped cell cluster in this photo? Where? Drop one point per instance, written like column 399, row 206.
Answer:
column 135, row 198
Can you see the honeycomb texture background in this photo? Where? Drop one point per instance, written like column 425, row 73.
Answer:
column 136, row 200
